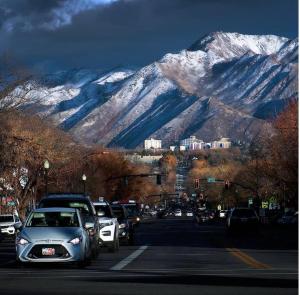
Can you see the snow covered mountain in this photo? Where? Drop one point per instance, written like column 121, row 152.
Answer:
column 224, row 85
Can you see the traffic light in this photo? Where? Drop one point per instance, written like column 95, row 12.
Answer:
column 196, row 183
column 227, row 184
column 158, row 179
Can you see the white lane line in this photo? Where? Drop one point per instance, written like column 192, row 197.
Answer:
column 129, row 259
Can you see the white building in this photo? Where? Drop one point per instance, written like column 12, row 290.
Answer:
column 172, row 148
column 192, row 143
column 223, row 143
column 152, row 144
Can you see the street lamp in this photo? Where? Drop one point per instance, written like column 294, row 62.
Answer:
column 46, row 167
column 83, row 180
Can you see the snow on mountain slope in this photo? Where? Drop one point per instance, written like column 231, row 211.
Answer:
column 225, row 84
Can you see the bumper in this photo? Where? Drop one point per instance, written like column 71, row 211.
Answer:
column 27, row 253
column 10, row 230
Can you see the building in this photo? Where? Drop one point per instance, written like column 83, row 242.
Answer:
column 223, row 143
column 152, row 144
column 192, row 143
column 172, row 148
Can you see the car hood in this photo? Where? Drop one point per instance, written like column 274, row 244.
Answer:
column 104, row 219
column 40, row 234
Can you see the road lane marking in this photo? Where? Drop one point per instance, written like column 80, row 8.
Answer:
column 129, row 259
column 247, row 259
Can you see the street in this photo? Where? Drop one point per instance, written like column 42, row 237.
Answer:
column 169, row 256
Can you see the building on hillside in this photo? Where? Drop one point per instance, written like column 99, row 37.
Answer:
column 192, row 143
column 150, row 144
column 223, row 143
column 172, row 148
column 182, row 148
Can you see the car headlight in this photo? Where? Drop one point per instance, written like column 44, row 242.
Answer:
column 21, row 241
column 76, row 241
column 138, row 219
column 122, row 225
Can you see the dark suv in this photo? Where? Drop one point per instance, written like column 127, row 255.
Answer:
column 125, row 224
column 84, row 205
column 242, row 219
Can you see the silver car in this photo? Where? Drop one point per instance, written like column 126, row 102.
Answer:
column 54, row 235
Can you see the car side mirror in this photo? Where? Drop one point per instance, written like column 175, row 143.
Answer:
column 100, row 213
column 89, row 225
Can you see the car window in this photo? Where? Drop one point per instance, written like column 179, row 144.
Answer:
column 105, row 209
column 132, row 210
column 81, row 205
column 53, row 219
column 118, row 212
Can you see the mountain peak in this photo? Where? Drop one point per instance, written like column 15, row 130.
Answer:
column 230, row 45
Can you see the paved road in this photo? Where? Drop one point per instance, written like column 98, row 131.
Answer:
column 170, row 256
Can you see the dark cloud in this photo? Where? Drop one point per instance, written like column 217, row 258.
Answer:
column 61, row 33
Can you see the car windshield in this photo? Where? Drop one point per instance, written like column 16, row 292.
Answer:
column 243, row 213
column 6, row 218
column 132, row 210
column 105, row 209
column 81, row 205
column 53, row 219
column 119, row 213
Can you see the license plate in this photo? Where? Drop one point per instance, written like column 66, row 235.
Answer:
column 48, row 251
column 244, row 219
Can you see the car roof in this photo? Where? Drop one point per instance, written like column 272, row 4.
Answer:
column 55, row 209
column 65, row 195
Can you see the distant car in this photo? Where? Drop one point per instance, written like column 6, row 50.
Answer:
column 189, row 213
column 177, row 212
column 109, row 226
column 54, row 235
column 242, row 218
column 288, row 218
column 9, row 223
column 86, row 208
column 125, row 226
column 223, row 213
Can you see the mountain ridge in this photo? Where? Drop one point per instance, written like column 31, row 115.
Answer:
column 221, row 85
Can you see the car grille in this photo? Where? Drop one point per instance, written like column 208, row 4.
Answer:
column 60, row 251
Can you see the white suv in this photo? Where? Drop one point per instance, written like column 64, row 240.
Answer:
column 9, row 223
column 109, row 226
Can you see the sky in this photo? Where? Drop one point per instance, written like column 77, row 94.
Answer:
column 51, row 35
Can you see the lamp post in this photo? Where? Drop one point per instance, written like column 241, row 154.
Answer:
column 83, row 180
column 46, row 167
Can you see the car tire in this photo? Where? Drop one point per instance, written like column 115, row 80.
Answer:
column 85, row 262
column 114, row 247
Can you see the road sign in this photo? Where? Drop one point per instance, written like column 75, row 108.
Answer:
column 211, row 179
column 250, row 201
column 264, row 205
